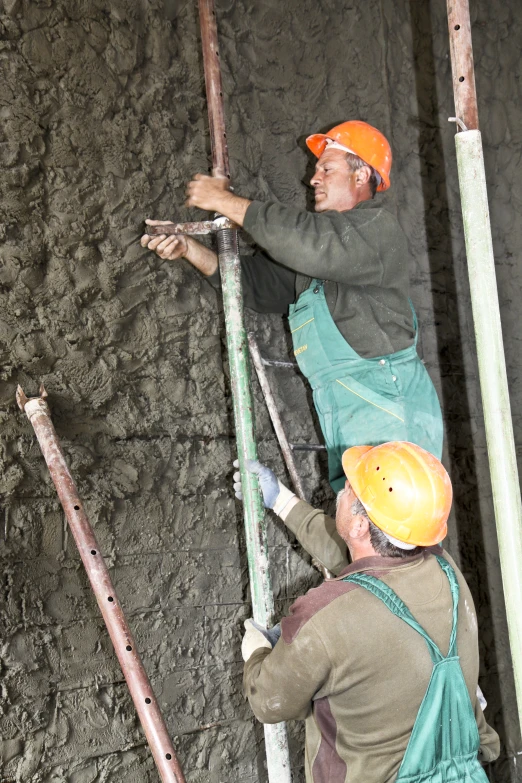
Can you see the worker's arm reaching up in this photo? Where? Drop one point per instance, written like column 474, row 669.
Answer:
column 314, row 530
column 346, row 247
column 362, row 246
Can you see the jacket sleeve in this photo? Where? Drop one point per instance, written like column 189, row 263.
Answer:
column 489, row 740
column 280, row 684
column 267, row 287
column 341, row 247
column 316, row 532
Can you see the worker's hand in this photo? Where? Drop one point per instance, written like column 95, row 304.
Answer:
column 170, row 247
column 257, row 637
column 268, row 482
column 207, row 192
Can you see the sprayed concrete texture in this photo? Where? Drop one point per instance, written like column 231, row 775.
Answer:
column 102, row 121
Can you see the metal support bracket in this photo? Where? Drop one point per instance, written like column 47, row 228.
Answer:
column 192, row 229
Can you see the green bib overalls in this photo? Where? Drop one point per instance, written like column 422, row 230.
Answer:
column 444, row 742
column 361, row 401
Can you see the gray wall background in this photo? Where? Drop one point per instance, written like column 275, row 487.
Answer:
column 102, row 121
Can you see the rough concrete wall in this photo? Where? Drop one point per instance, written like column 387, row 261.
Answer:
column 102, row 122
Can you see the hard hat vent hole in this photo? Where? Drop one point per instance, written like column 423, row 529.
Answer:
column 390, row 489
column 377, row 468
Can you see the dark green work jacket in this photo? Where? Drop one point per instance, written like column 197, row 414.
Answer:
column 362, row 254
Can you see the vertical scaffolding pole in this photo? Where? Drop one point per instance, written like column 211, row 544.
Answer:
column 488, row 331
column 276, row 742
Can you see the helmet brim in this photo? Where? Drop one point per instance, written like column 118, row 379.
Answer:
column 316, row 143
column 350, row 460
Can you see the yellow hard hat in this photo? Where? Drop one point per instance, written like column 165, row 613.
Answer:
column 405, row 490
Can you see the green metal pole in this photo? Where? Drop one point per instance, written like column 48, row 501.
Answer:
column 488, row 331
column 276, row 741
column 255, row 526
column 493, row 384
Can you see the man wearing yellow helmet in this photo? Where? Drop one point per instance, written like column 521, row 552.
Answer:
column 342, row 275
column 382, row 661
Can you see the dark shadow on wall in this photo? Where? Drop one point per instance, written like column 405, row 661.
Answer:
column 450, row 339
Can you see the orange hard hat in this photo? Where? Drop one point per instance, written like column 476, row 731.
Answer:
column 405, row 490
column 363, row 140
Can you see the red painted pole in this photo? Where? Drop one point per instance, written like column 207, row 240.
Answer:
column 138, row 683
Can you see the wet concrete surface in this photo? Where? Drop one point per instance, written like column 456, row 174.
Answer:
column 102, row 121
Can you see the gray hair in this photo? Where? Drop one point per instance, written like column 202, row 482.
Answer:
column 379, row 541
column 355, row 163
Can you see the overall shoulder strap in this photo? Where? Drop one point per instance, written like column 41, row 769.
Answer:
column 455, row 592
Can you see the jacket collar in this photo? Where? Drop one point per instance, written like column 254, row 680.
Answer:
column 380, row 564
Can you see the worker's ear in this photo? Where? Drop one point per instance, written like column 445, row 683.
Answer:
column 362, row 176
column 359, row 527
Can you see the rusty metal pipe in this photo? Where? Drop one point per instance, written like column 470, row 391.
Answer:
column 214, row 87
column 274, row 416
column 462, row 67
column 138, row 683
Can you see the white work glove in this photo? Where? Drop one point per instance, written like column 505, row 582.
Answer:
column 275, row 495
column 257, row 637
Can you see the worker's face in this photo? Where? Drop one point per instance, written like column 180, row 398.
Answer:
column 335, row 184
column 351, row 527
column 344, row 516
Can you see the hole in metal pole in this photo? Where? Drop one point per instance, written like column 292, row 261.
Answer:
column 147, row 700
column 168, row 756
column 93, row 551
column 461, row 78
column 77, row 508
column 110, row 598
column 128, row 648
column 457, row 27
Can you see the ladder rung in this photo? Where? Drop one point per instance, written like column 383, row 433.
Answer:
column 275, row 363
column 307, row 447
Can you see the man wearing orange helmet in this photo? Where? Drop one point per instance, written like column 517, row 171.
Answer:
column 342, row 274
column 382, row 661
